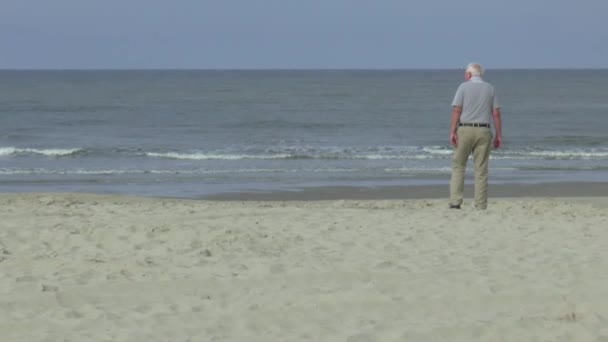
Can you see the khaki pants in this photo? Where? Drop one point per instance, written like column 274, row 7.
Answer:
column 476, row 140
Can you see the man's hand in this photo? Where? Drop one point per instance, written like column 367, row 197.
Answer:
column 498, row 124
column 454, row 139
column 456, row 111
column 497, row 141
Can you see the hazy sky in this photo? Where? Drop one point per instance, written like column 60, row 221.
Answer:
column 303, row 33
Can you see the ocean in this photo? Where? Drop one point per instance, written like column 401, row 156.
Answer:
column 197, row 133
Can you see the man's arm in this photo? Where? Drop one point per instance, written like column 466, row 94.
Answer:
column 456, row 112
column 498, row 125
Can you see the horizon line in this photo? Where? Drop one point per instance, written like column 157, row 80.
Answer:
column 301, row 69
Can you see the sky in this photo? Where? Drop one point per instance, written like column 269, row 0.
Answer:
column 302, row 34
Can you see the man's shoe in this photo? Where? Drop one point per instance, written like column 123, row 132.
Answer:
column 454, row 206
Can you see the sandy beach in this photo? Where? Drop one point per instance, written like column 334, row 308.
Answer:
column 79, row 267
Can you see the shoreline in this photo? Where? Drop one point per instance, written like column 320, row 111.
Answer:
column 358, row 192
column 321, row 193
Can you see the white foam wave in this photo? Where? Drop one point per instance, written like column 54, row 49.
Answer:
column 569, row 154
column 39, row 171
column 109, row 172
column 548, row 154
column 53, row 152
column 396, row 157
column 204, row 156
column 63, row 172
column 7, row 151
column 436, row 150
column 128, row 172
column 393, row 153
column 418, row 170
column 445, row 153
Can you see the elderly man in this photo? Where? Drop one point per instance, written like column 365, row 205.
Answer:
column 474, row 106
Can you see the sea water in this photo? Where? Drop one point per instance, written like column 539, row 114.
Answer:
column 195, row 133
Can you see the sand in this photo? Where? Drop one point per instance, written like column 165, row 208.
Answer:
column 116, row 268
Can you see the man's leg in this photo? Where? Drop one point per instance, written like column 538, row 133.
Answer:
column 459, row 164
column 481, row 156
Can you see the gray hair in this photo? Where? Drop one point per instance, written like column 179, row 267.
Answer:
column 475, row 69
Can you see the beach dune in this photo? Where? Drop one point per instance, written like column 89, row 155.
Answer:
column 76, row 267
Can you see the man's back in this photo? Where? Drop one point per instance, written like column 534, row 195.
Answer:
column 477, row 99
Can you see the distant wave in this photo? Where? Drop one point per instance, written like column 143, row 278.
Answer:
column 375, row 153
column 216, row 156
column 212, row 156
column 53, row 152
column 562, row 168
column 574, row 154
column 141, row 173
column 41, row 171
column 438, row 170
column 570, row 154
column 109, row 172
column 405, row 153
column 311, row 152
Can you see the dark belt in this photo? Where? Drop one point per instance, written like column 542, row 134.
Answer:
column 474, row 124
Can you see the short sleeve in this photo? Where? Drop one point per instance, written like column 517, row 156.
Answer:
column 459, row 97
column 495, row 104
